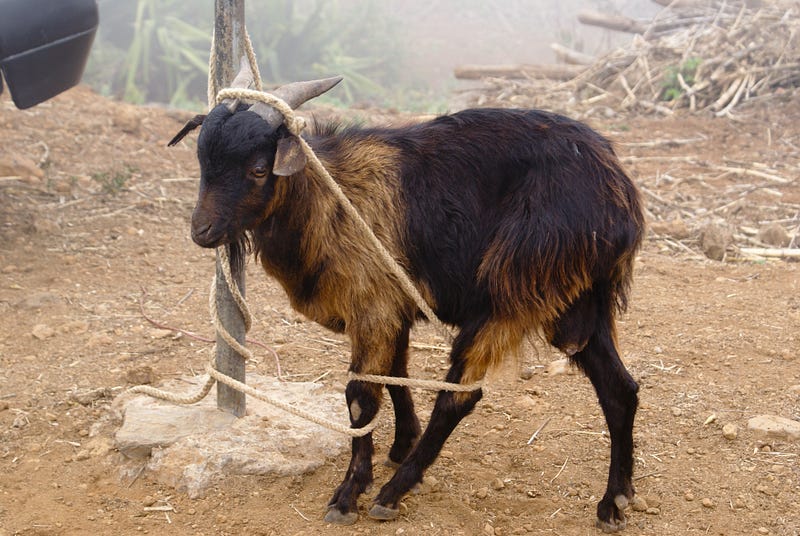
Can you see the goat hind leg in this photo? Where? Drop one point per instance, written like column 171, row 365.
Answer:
column 616, row 391
column 469, row 363
column 406, row 428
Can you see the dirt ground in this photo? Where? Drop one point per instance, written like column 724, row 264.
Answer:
column 94, row 234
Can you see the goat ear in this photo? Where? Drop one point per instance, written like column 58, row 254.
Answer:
column 190, row 125
column 289, row 157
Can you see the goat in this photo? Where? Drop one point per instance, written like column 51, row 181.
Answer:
column 510, row 222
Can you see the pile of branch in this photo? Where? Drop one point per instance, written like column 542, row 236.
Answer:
column 695, row 54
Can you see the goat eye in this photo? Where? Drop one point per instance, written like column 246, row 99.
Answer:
column 259, row 172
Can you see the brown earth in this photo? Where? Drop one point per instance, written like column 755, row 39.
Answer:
column 94, row 217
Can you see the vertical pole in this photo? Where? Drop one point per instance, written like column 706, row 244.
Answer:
column 229, row 48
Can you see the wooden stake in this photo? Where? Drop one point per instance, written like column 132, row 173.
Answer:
column 229, row 48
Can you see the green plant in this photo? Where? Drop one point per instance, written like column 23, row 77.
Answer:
column 112, row 182
column 157, row 50
column 671, row 87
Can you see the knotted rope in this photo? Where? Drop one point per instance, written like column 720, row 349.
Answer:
column 295, row 126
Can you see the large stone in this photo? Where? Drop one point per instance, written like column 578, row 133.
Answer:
column 192, row 447
column 775, row 426
column 715, row 239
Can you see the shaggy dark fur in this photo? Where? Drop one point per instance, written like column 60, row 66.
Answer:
column 510, row 222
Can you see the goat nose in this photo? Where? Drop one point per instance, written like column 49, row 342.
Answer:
column 200, row 233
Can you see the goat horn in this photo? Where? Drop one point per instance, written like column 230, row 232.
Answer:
column 294, row 94
column 243, row 80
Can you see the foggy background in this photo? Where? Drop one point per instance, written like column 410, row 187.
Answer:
column 399, row 54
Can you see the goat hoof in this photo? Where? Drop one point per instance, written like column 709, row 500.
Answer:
column 338, row 518
column 610, row 513
column 383, row 513
column 610, row 527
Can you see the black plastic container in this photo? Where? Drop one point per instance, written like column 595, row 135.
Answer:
column 44, row 45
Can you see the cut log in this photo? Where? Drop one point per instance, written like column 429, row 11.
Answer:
column 684, row 3
column 567, row 55
column 612, row 22
column 555, row 72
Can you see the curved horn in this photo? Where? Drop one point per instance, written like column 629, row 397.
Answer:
column 244, row 79
column 294, row 94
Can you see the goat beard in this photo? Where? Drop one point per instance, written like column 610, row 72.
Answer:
column 237, row 253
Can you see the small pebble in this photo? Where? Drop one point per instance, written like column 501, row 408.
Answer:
column 763, row 530
column 639, row 504
column 148, row 501
column 488, row 530
column 482, row 493
column 689, row 496
column 677, row 412
column 653, row 511
column 497, row 484
column 526, row 373
column 730, row 431
column 3, row 405
column 707, row 503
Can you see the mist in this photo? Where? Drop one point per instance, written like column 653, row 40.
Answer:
column 399, row 54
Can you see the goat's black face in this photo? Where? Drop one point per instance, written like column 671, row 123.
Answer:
column 236, row 153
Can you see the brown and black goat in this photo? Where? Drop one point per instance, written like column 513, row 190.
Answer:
column 510, row 222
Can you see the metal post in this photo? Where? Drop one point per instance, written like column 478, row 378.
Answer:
column 229, row 48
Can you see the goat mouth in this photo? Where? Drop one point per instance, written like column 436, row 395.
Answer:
column 210, row 236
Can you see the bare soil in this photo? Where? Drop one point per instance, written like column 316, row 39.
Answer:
column 101, row 238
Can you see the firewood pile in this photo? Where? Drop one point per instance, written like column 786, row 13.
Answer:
column 700, row 55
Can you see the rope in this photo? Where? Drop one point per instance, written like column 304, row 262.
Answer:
column 295, row 125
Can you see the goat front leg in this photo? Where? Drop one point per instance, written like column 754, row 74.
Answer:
column 363, row 401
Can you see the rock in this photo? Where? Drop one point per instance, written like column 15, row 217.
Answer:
column 774, row 235
column 3, row 405
column 526, row 373
column 86, row 398
column 20, row 421
column 775, row 426
column 688, row 496
column 143, row 375
column 19, row 166
column 37, row 300
column 730, row 431
column 559, row 366
column 42, row 331
column 715, row 239
column 639, row 504
column 482, row 493
column 199, row 445
column 82, row 455
column 158, row 333
column 795, row 389
column 707, row 503
column 675, row 228
column 498, row 484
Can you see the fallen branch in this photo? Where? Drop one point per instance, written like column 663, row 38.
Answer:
column 520, row 71
column 782, row 253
